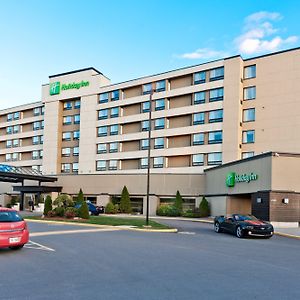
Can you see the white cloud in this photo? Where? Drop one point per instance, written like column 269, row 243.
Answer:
column 263, row 15
column 203, row 53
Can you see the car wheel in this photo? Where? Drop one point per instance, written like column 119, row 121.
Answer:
column 217, row 227
column 239, row 232
column 16, row 247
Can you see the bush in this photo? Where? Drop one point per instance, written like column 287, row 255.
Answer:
column 125, row 204
column 168, row 210
column 204, row 208
column 71, row 212
column 13, row 201
column 80, row 197
column 8, row 205
column 192, row 213
column 51, row 214
column 48, row 205
column 63, row 200
column 83, row 211
column 114, row 200
column 59, row 211
column 178, row 202
column 110, row 208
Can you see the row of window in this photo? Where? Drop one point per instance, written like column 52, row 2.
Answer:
column 68, row 150
column 39, row 139
column 68, row 105
column 17, row 115
column 214, row 158
column 68, row 167
column 36, row 154
column 38, row 125
column 67, row 135
column 68, row 120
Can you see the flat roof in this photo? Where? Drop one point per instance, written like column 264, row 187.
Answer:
column 76, row 71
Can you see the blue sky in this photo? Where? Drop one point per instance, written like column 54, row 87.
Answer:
column 132, row 38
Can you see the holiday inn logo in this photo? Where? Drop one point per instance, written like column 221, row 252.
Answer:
column 54, row 88
column 232, row 178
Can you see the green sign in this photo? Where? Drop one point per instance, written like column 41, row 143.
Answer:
column 55, row 87
column 232, row 178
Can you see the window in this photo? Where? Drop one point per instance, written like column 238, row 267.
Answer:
column 15, row 143
column 36, row 125
column 215, row 137
column 66, row 152
column 36, row 168
column 199, row 98
column 144, row 162
column 159, row 143
column 145, row 125
column 247, row 154
column 159, row 123
column 216, row 94
column 9, row 130
column 76, row 119
column 248, row 136
column 113, row 165
column 8, row 143
column 114, row 129
column 101, row 165
column 160, row 86
column 214, row 158
column 17, row 115
column 249, row 115
column 158, row 162
column 146, row 106
column 66, row 136
column 215, row 116
column 144, row 144
column 67, row 120
column 198, row 139
column 9, row 117
column 35, row 155
column 42, row 110
column 250, row 72
column 101, row 148
column 198, row 118
column 113, row 147
column 8, row 157
column 102, row 114
column 77, row 104
column 103, row 98
column 198, row 159
column 35, row 140
column 250, row 93
column 75, row 167
column 42, row 124
column 160, row 104
column 67, row 105
column 41, row 153
column 114, row 112
column 65, row 168
column 41, row 139
column 216, row 74
column 36, row 111
column 16, row 129
column 76, row 135
column 15, row 156
column 75, row 151
column 147, row 88
column 199, row 77
column 102, row 131
column 114, row 95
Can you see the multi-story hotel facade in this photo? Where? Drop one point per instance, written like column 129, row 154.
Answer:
column 93, row 135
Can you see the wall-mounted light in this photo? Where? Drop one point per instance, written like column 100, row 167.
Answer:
column 285, row 200
column 258, row 200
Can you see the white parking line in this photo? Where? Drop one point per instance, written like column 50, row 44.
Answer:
column 187, row 232
column 37, row 246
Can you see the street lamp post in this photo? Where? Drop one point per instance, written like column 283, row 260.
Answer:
column 148, row 166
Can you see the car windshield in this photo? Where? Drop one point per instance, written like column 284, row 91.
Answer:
column 10, row 216
column 244, row 217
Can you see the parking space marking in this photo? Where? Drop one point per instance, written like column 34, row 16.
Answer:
column 58, row 232
column 37, row 246
column 187, row 232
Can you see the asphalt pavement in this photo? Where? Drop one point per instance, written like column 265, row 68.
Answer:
column 195, row 263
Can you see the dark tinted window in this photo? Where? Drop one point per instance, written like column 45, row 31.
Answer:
column 9, row 216
column 244, row 218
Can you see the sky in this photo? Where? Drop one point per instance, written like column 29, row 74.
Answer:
column 127, row 39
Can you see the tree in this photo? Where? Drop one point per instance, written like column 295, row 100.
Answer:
column 178, row 202
column 80, row 197
column 125, row 204
column 83, row 211
column 63, row 200
column 204, row 208
column 48, row 205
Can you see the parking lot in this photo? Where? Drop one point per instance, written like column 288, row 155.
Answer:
column 76, row 262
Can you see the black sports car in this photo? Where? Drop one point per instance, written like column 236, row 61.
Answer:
column 243, row 225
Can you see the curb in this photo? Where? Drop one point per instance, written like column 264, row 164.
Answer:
column 288, row 235
column 120, row 227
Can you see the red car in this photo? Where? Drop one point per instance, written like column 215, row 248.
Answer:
column 13, row 229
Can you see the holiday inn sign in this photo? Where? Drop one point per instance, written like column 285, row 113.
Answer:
column 56, row 87
column 232, row 178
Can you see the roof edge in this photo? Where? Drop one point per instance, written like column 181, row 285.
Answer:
column 75, row 71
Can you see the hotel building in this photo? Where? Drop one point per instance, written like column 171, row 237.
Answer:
column 93, row 134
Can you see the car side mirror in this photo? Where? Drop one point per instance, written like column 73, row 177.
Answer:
column 231, row 219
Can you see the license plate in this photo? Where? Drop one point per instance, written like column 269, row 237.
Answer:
column 14, row 240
